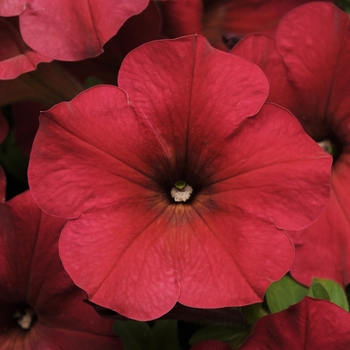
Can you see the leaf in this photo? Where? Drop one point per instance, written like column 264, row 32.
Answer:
column 317, row 291
column 133, row 334
column 329, row 290
column 140, row 336
column 284, row 293
column 234, row 335
column 12, row 159
column 165, row 335
column 252, row 313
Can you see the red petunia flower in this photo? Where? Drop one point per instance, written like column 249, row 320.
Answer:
column 41, row 308
column 174, row 190
column 224, row 19
column 70, row 30
column 310, row 324
column 308, row 69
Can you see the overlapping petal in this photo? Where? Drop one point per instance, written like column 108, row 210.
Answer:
column 310, row 324
column 31, row 274
column 16, row 57
column 181, row 17
column 111, row 158
column 136, row 31
column 310, row 77
column 10, row 8
column 241, row 17
column 221, row 20
column 71, row 31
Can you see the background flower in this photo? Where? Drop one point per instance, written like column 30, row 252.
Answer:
column 224, row 22
column 15, row 56
column 41, row 308
column 307, row 67
column 310, row 324
column 70, row 31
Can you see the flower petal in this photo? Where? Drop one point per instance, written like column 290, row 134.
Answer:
column 102, row 162
column 311, row 324
column 322, row 250
column 15, row 57
column 72, row 31
column 12, row 7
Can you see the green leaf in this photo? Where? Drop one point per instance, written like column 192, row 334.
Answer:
column 165, row 335
column 284, row 293
column 235, row 336
column 12, row 159
column 343, row 4
column 329, row 290
column 92, row 81
column 133, row 334
column 140, row 336
column 252, row 313
column 317, row 291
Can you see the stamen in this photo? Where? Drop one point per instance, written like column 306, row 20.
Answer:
column 181, row 192
column 327, row 146
column 25, row 320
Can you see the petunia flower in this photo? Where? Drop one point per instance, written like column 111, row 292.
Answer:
column 179, row 183
column 310, row 324
column 70, row 31
column 224, row 22
column 41, row 308
column 307, row 67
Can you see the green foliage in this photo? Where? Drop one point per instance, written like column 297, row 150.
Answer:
column 141, row 336
column 329, row 290
column 92, row 81
column 234, row 336
column 252, row 313
column 344, row 5
column 284, row 293
column 12, row 158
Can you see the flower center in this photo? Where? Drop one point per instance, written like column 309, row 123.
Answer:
column 331, row 147
column 327, row 146
column 25, row 317
column 181, row 192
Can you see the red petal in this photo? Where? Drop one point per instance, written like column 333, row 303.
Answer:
column 74, row 30
column 15, row 57
column 323, row 249
column 311, row 324
column 12, row 7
